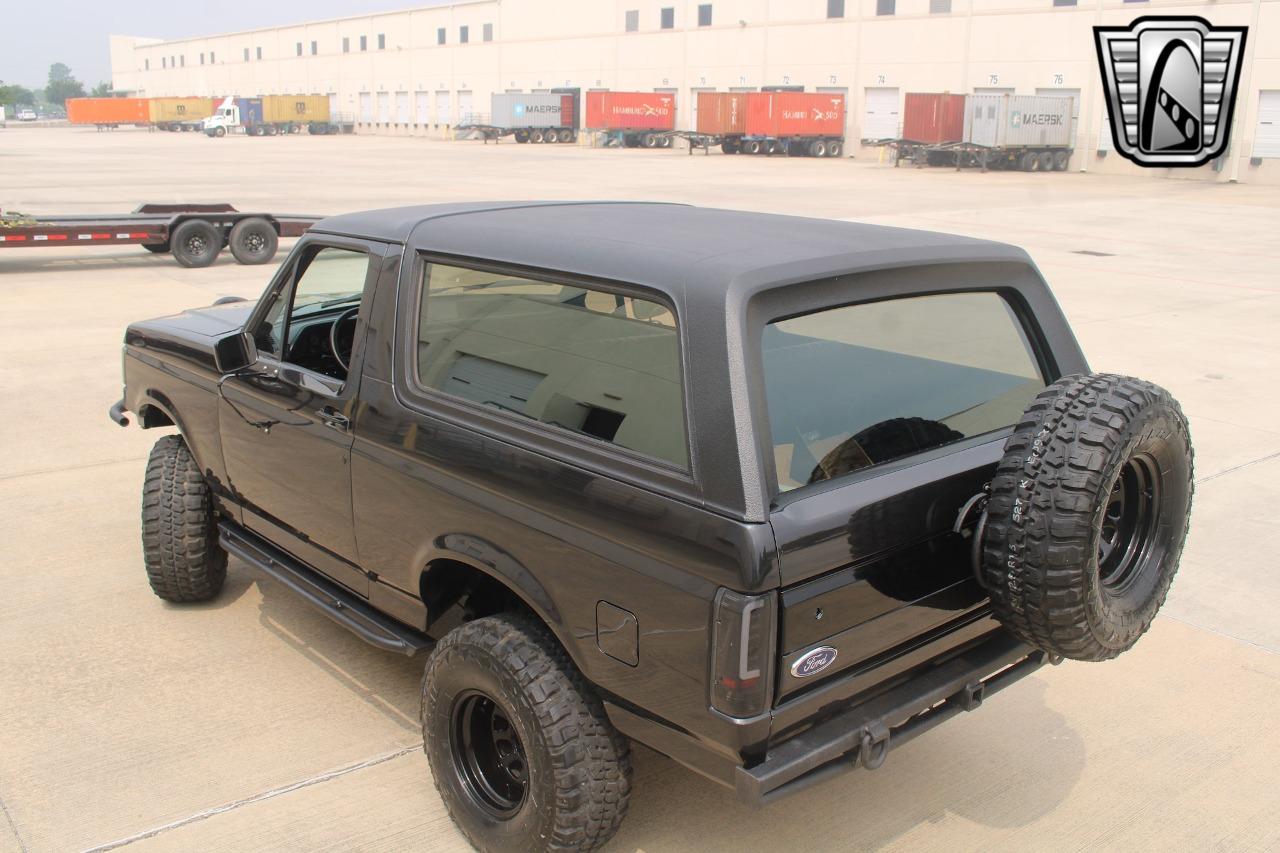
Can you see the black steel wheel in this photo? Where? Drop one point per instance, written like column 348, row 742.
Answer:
column 521, row 750
column 195, row 243
column 253, row 241
column 1088, row 514
column 488, row 754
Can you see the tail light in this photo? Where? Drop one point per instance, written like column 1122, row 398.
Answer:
column 742, row 657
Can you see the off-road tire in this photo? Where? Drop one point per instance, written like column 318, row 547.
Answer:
column 179, row 535
column 253, row 241
column 1051, row 504
column 579, row 767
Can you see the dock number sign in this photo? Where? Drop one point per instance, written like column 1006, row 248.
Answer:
column 1171, row 88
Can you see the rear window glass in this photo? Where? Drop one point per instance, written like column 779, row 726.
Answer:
column 849, row 388
column 598, row 364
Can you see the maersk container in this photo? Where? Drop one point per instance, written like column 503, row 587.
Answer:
column 722, row 113
column 535, row 110
column 279, row 109
column 177, row 110
column 631, row 111
column 1018, row 121
column 931, row 118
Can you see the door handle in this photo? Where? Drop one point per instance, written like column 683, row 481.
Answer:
column 333, row 419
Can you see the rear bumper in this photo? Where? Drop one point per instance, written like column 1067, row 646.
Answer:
column 863, row 734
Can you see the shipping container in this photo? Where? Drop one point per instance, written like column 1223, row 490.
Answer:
column 722, row 113
column 931, row 118
column 1018, row 121
column 534, row 110
column 108, row 111
column 779, row 115
column 631, row 111
column 169, row 111
column 281, row 109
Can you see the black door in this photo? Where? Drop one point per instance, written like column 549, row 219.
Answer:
column 286, row 422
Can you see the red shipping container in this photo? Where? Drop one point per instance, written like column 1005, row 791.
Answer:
column 108, row 111
column 722, row 113
column 631, row 111
column 932, row 118
column 778, row 114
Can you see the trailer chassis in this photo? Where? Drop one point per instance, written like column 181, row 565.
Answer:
column 985, row 158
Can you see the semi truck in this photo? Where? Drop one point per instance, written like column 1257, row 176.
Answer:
column 272, row 115
column 633, row 119
column 800, row 124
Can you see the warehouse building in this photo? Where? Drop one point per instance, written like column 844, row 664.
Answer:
column 425, row 71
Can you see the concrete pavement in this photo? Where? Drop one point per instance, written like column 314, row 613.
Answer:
column 253, row 723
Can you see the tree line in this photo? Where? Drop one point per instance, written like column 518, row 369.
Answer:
column 62, row 85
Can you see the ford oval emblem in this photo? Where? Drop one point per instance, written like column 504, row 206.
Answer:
column 814, row 662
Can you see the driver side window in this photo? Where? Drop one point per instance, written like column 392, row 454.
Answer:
column 312, row 321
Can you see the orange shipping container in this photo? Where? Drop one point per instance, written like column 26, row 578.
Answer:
column 722, row 113
column 779, row 114
column 108, row 111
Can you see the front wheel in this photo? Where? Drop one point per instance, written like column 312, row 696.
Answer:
column 179, row 535
column 1088, row 514
column 520, row 748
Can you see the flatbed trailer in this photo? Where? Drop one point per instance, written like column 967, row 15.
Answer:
column 984, row 157
column 193, row 233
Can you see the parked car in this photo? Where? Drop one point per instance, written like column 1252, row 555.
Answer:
column 26, row 115
column 770, row 495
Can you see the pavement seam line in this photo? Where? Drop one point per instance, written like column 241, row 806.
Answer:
column 22, row 845
column 256, row 798
column 62, row 470
column 1235, row 468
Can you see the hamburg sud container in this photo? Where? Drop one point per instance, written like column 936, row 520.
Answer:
column 783, row 114
column 108, row 111
column 182, row 109
column 931, row 118
column 1018, row 121
column 631, row 111
column 722, row 113
column 539, row 109
column 277, row 109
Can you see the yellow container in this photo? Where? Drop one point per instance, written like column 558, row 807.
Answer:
column 181, row 109
column 295, row 108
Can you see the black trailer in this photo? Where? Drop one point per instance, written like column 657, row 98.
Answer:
column 193, row 233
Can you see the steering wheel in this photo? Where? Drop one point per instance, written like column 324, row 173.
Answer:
column 337, row 347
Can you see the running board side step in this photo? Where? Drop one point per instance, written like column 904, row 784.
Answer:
column 339, row 604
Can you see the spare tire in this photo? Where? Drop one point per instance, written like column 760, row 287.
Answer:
column 1088, row 513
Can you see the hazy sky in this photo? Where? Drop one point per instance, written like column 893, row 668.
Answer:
column 75, row 31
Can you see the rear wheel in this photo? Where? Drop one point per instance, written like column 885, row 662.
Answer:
column 729, row 147
column 649, row 140
column 521, row 750
column 1044, row 161
column 536, row 136
column 253, row 241
column 179, row 535
column 195, row 243
column 834, row 148
column 1060, row 160
column 817, row 148
column 752, row 147
column 1088, row 513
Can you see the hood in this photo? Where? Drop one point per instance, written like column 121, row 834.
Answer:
column 211, row 322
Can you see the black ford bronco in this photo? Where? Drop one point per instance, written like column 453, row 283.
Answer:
column 770, row 495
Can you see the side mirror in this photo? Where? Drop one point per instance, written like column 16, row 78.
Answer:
column 234, row 352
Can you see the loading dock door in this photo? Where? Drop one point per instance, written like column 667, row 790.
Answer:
column 402, row 107
column 993, row 90
column 384, row 107
column 491, row 383
column 366, row 107
column 423, row 104
column 1266, row 137
column 466, row 111
column 443, row 116
column 880, row 113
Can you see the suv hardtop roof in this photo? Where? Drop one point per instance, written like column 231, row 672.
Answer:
column 670, row 248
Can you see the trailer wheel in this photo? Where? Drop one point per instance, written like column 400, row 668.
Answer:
column 729, row 146
column 649, row 140
column 196, row 243
column 752, row 146
column 666, row 142
column 817, row 148
column 1044, row 162
column 535, row 136
column 272, row 130
column 1060, row 160
column 253, row 241
column 521, row 136
column 1027, row 161
column 834, row 148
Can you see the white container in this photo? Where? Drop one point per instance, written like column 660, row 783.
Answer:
column 1018, row 121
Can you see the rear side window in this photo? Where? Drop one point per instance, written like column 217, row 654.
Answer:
column 849, row 388
column 597, row 364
